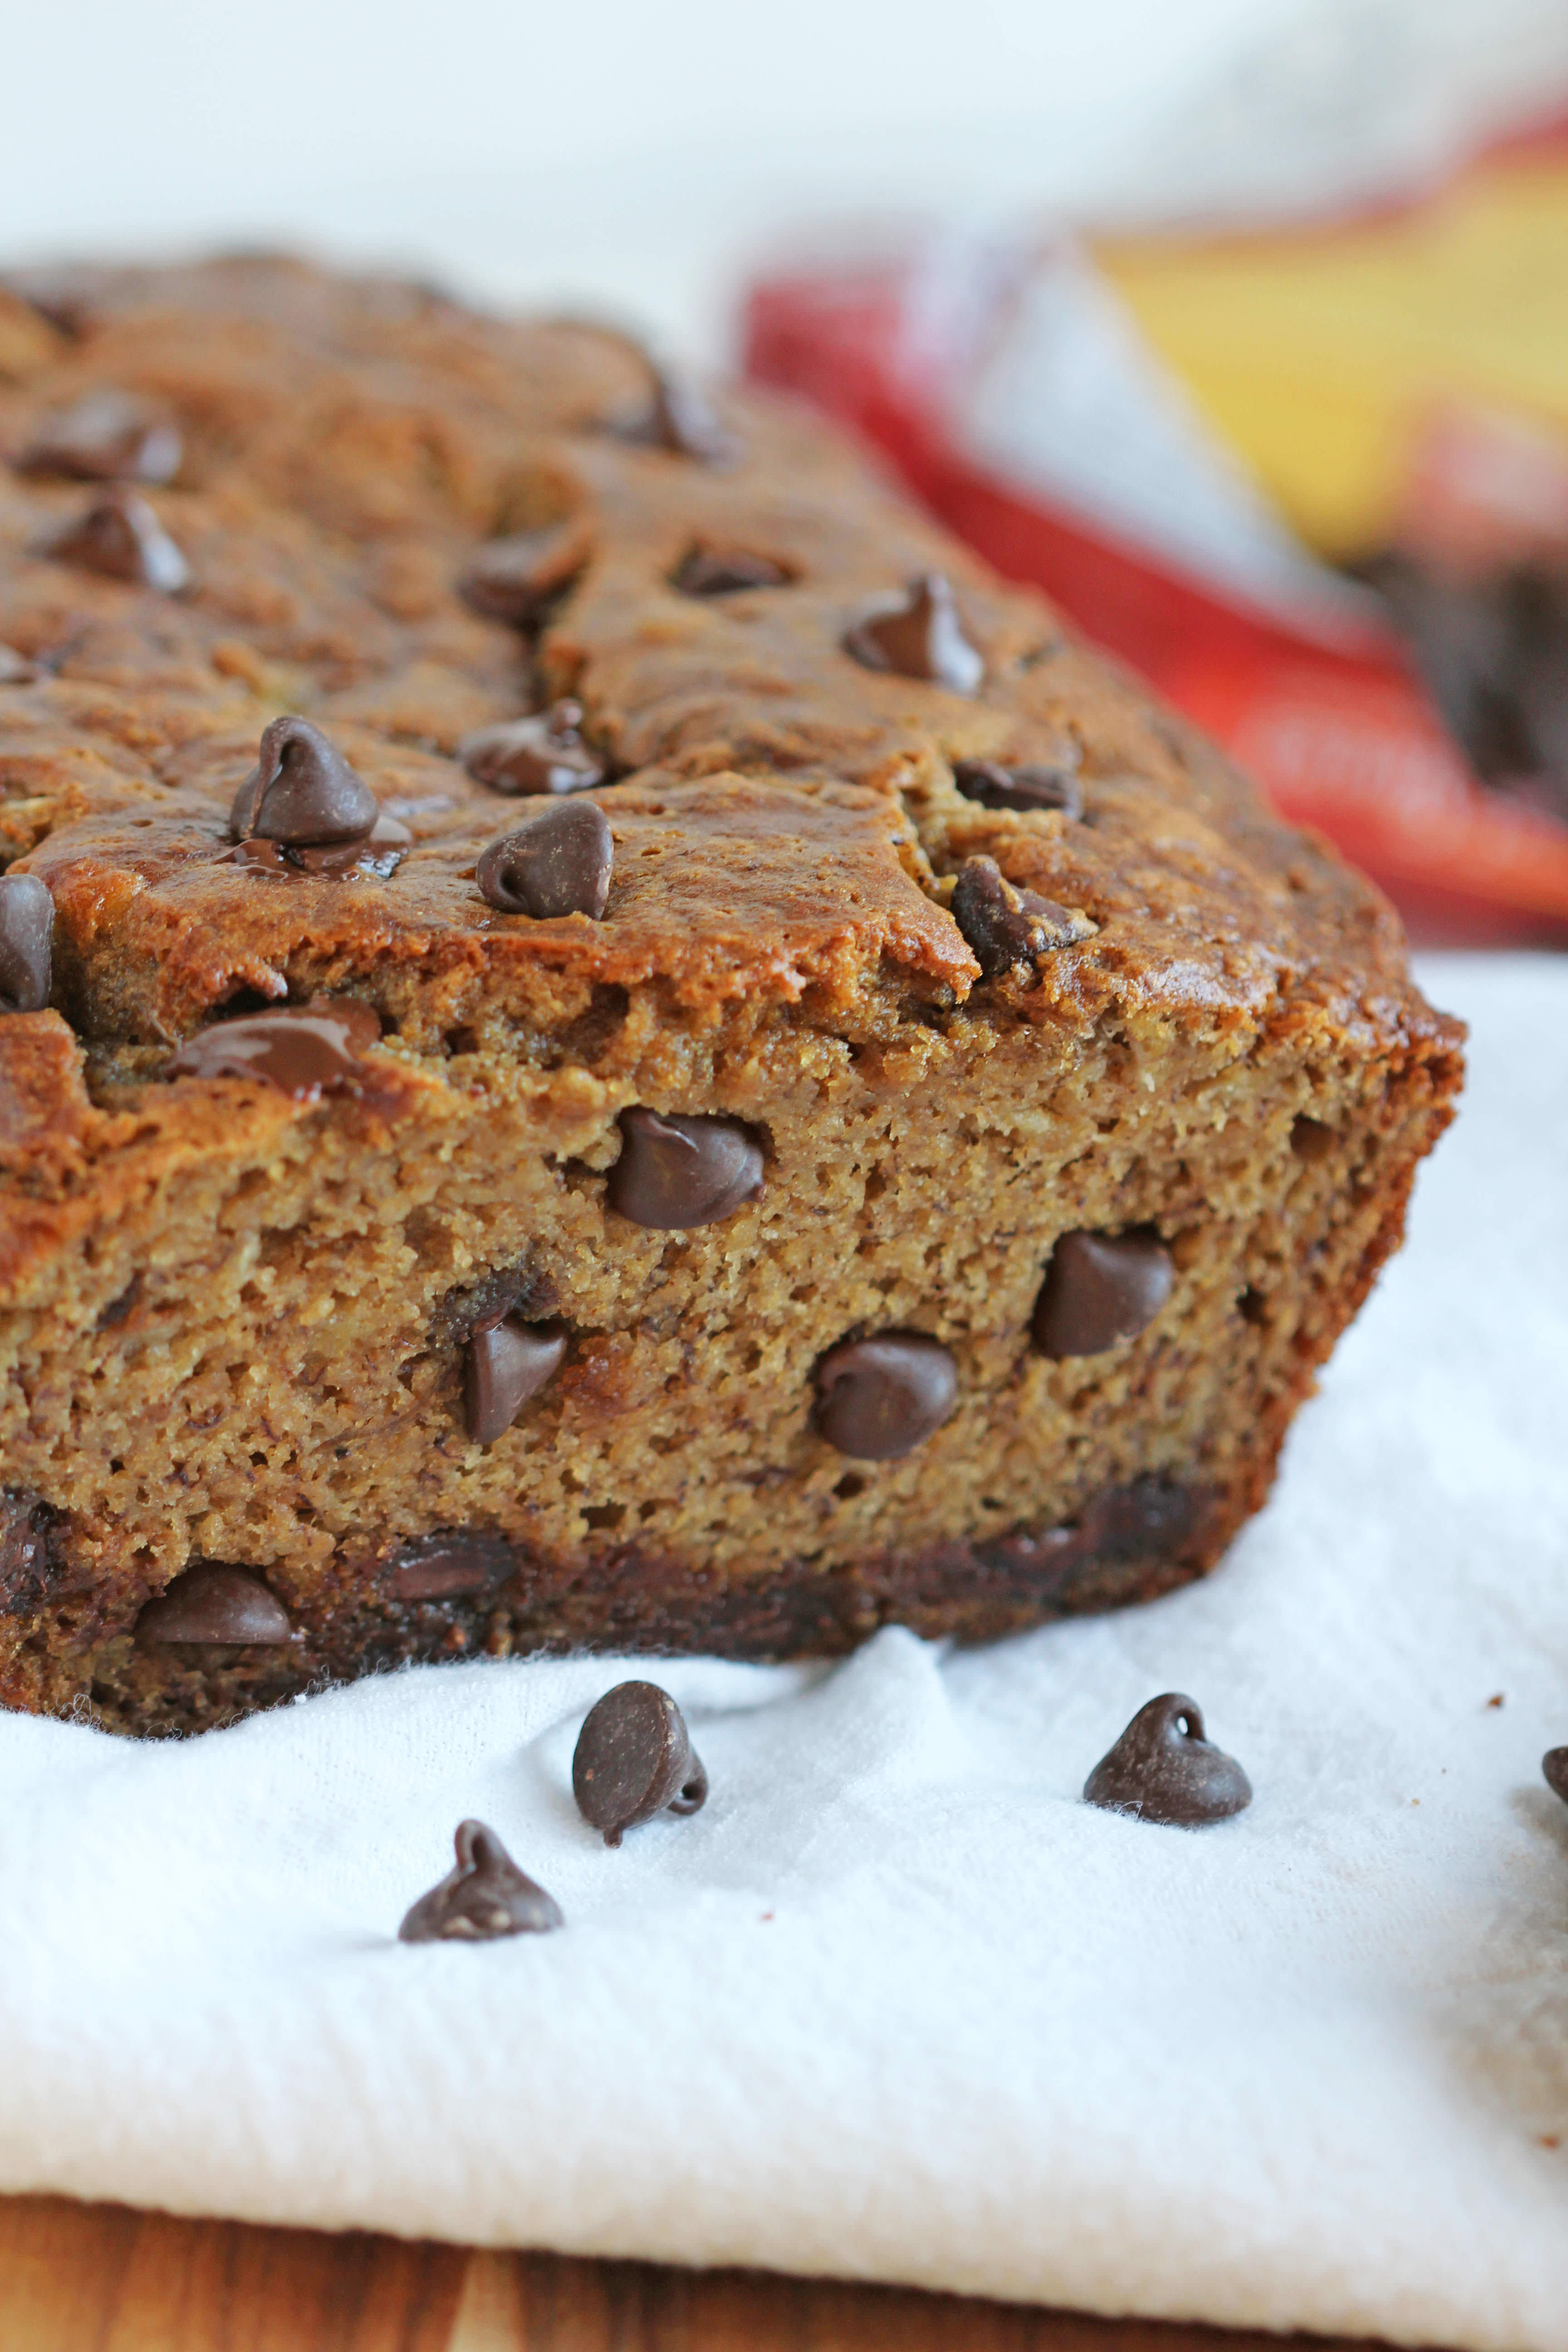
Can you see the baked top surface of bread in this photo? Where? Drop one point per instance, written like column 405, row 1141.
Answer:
column 413, row 527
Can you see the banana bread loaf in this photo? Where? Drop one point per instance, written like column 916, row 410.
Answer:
column 604, row 1040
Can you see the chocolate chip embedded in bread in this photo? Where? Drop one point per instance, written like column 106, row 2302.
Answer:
column 483, row 1896
column 105, row 436
column 15, row 669
column 545, row 753
column 448, row 1566
column 1006, row 927
column 508, row 1362
column 675, row 1172
column 999, row 785
column 1554, row 1765
column 26, row 937
column 121, row 538
column 726, row 572
column 514, row 579
column 211, row 1604
column 878, row 1399
column 633, row 1758
column 678, row 418
column 1163, row 1769
column 302, row 792
column 922, row 636
column 559, row 865
column 1101, row 1288
column 304, row 1050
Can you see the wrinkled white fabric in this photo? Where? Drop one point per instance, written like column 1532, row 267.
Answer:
column 897, row 2005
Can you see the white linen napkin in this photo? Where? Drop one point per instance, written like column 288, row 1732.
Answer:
column 897, row 2005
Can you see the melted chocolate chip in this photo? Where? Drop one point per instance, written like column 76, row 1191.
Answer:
column 508, row 1362
column 1163, row 1769
column 542, row 754
column 445, row 1566
column 922, row 636
column 675, row 1172
column 26, row 937
column 485, row 1895
column 633, row 1758
column 559, row 865
column 726, row 572
column 209, row 1604
column 679, row 419
column 302, row 792
column 105, row 436
column 1003, row 925
column 1101, row 1288
column 514, row 579
column 996, row 784
column 1554, row 1765
column 121, row 537
column 15, row 669
column 304, row 1050
column 878, row 1399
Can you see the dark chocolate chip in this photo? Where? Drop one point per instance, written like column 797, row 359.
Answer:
column 633, row 1759
column 1311, row 1138
column 121, row 537
column 1101, row 1288
column 674, row 1173
column 1003, row 925
column 920, row 636
column 210, row 1603
column 15, row 669
column 1163, row 1769
column 1555, row 1764
column 878, row 1399
column 726, row 572
column 542, row 754
column 445, row 1566
column 559, row 865
column 105, row 436
column 26, row 937
column 508, row 1362
column 678, row 418
column 302, row 792
column 514, row 579
column 998, row 784
column 485, row 1895
column 304, row 1050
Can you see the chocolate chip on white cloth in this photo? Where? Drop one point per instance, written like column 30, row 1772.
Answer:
column 920, row 636
column 1163, row 1769
column 26, row 943
column 508, row 1362
column 878, row 1399
column 676, row 1171
column 1101, row 1288
column 633, row 1758
column 302, row 792
column 121, row 537
column 211, row 1602
column 483, row 1896
column 558, row 863
column 1554, row 1766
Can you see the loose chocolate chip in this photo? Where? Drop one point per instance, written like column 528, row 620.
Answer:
column 26, row 937
column 1163, row 1769
column 923, row 636
column 877, row 1398
column 105, row 436
column 675, row 1172
column 1100, row 1288
column 445, row 1566
column 1555, row 1764
column 633, row 1759
column 304, row 1050
column 1003, row 925
column 1002, row 786
column 726, row 572
column 302, row 792
column 121, row 537
column 679, row 419
column 508, row 1362
column 514, row 579
column 209, row 1604
column 15, row 669
column 559, row 865
column 542, row 754
column 485, row 1895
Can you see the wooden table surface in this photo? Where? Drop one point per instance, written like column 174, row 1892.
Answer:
column 102, row 2278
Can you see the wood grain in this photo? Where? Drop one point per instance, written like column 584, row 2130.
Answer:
column 102, row 2278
